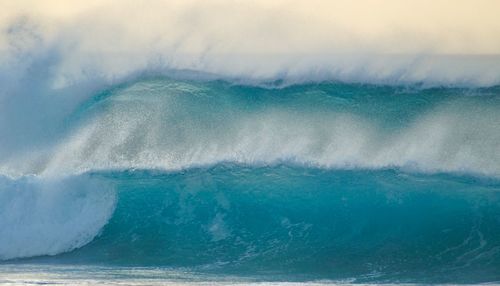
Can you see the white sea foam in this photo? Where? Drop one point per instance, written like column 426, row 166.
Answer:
column 47, row 217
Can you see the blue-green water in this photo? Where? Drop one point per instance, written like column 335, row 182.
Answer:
column 313, row 182
column 303, row 222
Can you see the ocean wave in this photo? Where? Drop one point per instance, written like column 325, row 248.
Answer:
column 172, row 124
column 279, row 221
column 247, row 138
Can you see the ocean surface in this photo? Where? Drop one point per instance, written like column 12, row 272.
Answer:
column 162, row 180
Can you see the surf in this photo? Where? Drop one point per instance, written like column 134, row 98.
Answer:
column 176, row 124
column 289, row 221
column 305, row 182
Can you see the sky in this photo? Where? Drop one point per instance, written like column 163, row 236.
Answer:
column 387, row 26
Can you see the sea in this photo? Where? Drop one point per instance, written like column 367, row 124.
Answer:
column 160, row 180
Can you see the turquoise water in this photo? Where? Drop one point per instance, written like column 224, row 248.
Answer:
column 301, row 223
column 212, row 181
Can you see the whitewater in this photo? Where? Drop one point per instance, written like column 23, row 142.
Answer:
column 235, row 143
column 300, row 182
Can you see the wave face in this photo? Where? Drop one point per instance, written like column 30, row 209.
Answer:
column 304, row 223
column 312, row 181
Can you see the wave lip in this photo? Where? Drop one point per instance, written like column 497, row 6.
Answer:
column 48, row 217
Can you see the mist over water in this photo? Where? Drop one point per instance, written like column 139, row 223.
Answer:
column 303, row 181
column 268, row 142
column 173, row 124
column 57, row 55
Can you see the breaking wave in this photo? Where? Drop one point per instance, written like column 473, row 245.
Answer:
column 329, row 180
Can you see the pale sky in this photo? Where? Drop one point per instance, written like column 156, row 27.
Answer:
column 387, row 26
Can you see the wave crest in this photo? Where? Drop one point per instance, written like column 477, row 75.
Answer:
column 171, row 124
